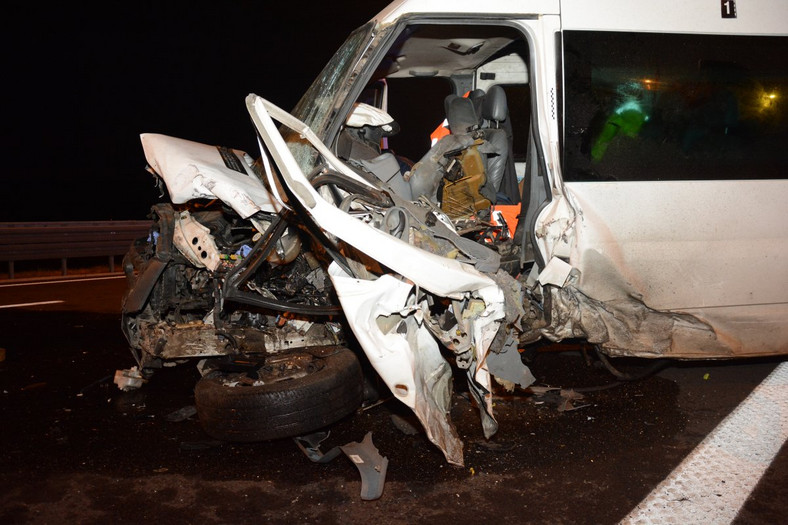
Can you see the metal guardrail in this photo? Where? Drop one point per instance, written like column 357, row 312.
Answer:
column 27, row 241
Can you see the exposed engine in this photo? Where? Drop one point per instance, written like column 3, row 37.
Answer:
column 184, row 265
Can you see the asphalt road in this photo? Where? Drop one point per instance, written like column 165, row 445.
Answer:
column 74, row 449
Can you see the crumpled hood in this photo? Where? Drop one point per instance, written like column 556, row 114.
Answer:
column 192, row 170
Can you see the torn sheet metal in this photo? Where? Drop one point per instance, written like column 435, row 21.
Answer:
column 495, row 345
column 387, row 315
column 440, row 275
column 364, row 455
column 480, row 387
column 388, row 324
column 507, row 366
column 555, row 228
column 556, row 272
column 503, row 358
column 199, row 171
column 628, row 327
column 484, row 327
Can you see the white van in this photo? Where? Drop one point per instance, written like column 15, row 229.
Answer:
column 485, row 175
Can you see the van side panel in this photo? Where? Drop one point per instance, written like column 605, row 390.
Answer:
column 717, row 250
column 675, row 163
column 753, row 17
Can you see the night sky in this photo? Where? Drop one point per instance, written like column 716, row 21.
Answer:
column 83, row 80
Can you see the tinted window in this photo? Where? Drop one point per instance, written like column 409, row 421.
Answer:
column 670, row 107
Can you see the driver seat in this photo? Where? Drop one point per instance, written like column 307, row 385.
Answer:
column 453, row 170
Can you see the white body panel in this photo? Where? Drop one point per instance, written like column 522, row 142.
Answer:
column 715, row 249
column 197, row 171
column 397, row 10
column 684, row 245
column 753, row 17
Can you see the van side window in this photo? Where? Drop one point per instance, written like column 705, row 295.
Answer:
column 656, row 106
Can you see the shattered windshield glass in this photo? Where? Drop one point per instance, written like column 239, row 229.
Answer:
column 318, row 105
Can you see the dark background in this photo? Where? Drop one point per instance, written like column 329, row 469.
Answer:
column 83, row 80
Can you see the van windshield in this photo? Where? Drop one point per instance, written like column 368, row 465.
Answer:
column 320, row 102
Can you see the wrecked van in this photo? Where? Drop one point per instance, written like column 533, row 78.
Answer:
column 462, row 182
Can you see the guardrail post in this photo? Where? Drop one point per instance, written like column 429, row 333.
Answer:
column 111, row 264
column 63, row 266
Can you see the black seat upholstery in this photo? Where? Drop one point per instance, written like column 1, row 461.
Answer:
column 498, row 131
column 495, row 108
column 463, row 121
column 477, row 121
column 461, row 115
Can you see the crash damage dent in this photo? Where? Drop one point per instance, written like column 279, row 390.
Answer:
column 555, row 228
column 392, row 316
column 440, row 275
column 192, row 170
column 392, row 320
column 389, row 325
column 622, row 324
column 174, row 308
column 626, row 326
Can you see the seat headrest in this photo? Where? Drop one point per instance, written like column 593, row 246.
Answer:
column 477, row 95
column 495, row 107
column 461, row 114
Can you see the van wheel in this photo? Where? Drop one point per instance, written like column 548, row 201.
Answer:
column 290, row 395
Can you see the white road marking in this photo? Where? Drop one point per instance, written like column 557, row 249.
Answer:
column 61, row 281
column 21, row 305
column 715, row 480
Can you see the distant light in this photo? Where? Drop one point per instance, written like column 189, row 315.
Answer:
column 650, row 84
column 768, row 101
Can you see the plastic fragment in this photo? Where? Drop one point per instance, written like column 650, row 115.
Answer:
column 128, row 379
column 310, row 445
column 370, row 464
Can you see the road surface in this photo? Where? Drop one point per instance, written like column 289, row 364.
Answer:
column 74, row 449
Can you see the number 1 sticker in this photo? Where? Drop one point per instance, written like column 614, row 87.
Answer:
column 728, row 8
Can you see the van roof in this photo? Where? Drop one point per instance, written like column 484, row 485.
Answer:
column 753, row 17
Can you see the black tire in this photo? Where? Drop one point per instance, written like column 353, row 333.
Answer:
column 281, row 409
